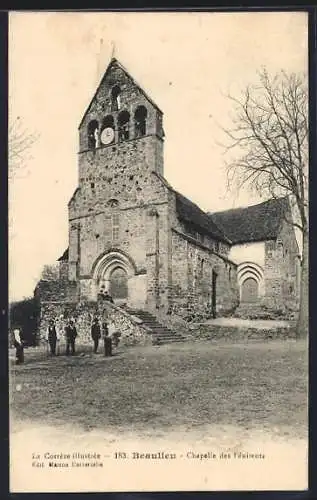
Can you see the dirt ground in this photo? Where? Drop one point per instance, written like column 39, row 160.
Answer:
column 192, row 397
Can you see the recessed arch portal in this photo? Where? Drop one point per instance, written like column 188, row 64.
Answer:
column 112, row 272
column 251, row 281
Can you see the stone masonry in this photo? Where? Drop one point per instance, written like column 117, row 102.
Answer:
column 127, row 233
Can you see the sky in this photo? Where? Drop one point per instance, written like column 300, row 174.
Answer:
column 186, row 62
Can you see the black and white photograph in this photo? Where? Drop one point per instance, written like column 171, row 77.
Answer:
column 158, row 251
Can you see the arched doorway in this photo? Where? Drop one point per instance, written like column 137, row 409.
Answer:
column 249, row 290
column 116, row 272
column 118, row 284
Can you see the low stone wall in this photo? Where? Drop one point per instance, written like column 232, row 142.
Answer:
column 236, row 334
column 130, row 329
column 201, row 331
column 64, row 290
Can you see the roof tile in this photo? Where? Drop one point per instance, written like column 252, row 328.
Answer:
column 255, row 223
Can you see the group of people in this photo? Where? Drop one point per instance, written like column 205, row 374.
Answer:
column 97, row 332
column 53, row 336
column 105, row 295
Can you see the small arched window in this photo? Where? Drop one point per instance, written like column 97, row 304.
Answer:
column 115, row 98
column 115, row 223
column 140, row 116
column 202, row 268
column 113, row 203
column 123, row 121
column 93, row 134
column 114, row 220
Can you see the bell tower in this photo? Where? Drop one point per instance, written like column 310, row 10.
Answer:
column 121, row 141
column 122, row 129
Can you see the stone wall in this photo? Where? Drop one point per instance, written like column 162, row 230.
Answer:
column 91, row 214
column 253, row 252
column 130, row 329
column 192, row 267
column 123, row 206
column 281, row 270
column 290, row 265
column 61, row 290
column 235, row 334
column 116, row 184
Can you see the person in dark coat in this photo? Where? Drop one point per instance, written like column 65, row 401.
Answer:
column 95, row 333
column 71, row 334
column 106, row 339
column 52, row 337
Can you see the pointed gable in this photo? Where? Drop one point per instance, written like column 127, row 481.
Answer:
column 115, row 74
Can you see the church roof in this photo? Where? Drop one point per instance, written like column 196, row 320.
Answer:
column 112, row 62
column 64, row 256
column 190, row 212
column 255, row 223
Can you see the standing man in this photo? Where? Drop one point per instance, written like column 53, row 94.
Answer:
column 106, row 339
column 18, row 344
column 95, row 333
column 52, row 337
column 71, row 334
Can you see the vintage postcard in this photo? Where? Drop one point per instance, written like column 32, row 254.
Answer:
column 158, row 253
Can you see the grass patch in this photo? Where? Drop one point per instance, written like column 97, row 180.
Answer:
column 261, row 385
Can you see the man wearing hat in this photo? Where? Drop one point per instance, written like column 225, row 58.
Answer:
column 52, row 337
column 95, row 333
column 71, row 334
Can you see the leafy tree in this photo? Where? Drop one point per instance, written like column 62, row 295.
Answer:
column 50, row 272
column 25, row 314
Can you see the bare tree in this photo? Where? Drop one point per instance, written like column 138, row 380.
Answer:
column 20, row 141
column 268, row 148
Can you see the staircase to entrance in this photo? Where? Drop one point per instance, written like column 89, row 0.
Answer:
column 160, row 333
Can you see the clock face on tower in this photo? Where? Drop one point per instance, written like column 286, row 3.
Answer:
column 107, row 135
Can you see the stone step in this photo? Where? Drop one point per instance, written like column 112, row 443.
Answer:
column 161, row 334
column 169, row 339
column 167, row 335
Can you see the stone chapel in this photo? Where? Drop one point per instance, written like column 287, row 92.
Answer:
column 130, row 232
